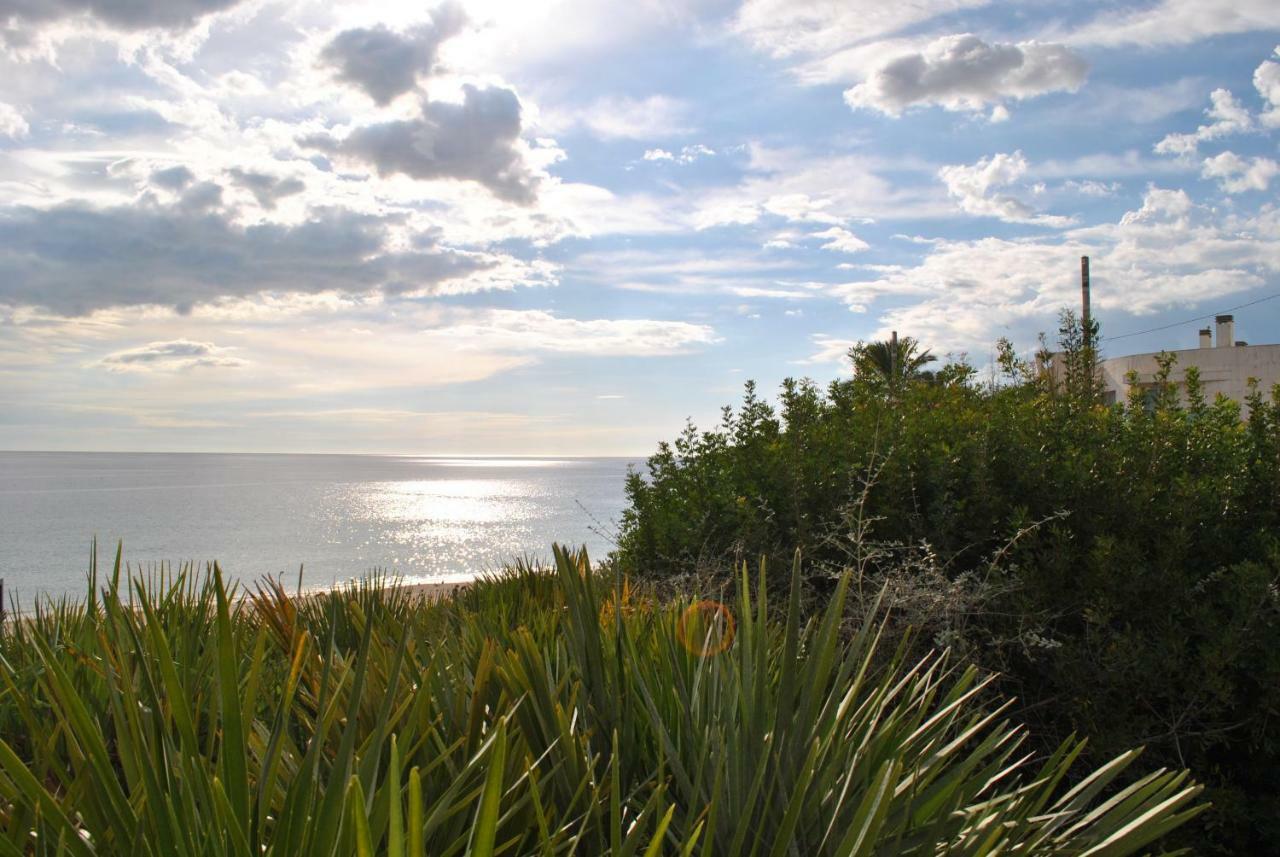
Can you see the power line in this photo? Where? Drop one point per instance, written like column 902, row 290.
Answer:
column 1189, row 320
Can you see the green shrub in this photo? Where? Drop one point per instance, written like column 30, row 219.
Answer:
column 1117, row 564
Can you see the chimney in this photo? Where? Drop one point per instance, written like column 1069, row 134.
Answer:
column 1084, row 298
column 1206, row 337
column 1226, row 330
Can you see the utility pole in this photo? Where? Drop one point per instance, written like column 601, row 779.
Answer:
column 1084, row 299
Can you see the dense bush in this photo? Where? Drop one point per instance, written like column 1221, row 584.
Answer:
column 537, row 713
column 1117, row 564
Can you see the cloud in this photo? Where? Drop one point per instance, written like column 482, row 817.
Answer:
column 201, row 197
column 963, row 72
column 976, row 188
column 787, row 28
column 800, row 185
column 385, row 64
column 1178, row 22
column 685, row 272
column 841, row 240
column 535, row 330
column 687, row 155
column 1107, row 104
column 12, row 125
column 1169, row 253
column 119, row 14
column 1229, row 117
column 173, row 178
column 831, row 349
column 779, row 291
column 622, row 118
column 294, row 348
column 1161, row 205
column 173, row 356
column 477, row 140
column 1237, row 175
column 1266, row 79
column 1120, row 164
column 266, row 188
column 1090, row 187
column 73, row 259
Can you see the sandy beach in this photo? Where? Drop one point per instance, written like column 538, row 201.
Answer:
column 434, row 591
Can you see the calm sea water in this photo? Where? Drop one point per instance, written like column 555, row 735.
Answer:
column 338, row 516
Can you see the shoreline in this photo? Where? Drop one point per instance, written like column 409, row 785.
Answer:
column 433, row 591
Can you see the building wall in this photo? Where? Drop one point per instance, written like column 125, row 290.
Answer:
column 1222, row 370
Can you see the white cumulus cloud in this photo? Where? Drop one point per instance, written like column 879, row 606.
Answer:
column 1237, row 175
column 1266, row 79
column 979, row 188
column 1160, row 205
column 963, row 72
column 1228, row 117
column 841, row 240
column 12, row 124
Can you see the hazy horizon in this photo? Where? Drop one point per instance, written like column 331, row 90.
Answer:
column 470, row 456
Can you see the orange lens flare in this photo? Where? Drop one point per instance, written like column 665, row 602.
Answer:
column 706, row 628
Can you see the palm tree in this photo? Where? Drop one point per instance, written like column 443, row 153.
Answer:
column 893, row 360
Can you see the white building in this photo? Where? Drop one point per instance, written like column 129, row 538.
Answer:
column 1226, row 366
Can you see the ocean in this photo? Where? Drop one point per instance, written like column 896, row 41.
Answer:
column 424, row 519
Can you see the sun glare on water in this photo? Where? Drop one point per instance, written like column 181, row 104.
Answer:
column 449, row 501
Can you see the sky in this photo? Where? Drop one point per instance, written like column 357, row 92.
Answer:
column 567, row 227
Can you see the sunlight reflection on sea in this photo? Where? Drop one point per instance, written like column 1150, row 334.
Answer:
column 424, row 519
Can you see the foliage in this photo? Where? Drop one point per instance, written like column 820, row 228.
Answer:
column 535, row 713
column 892, row 363
column 1117, row 564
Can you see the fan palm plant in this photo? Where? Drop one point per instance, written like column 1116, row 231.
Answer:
column 541, row 712
column 891, row 361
